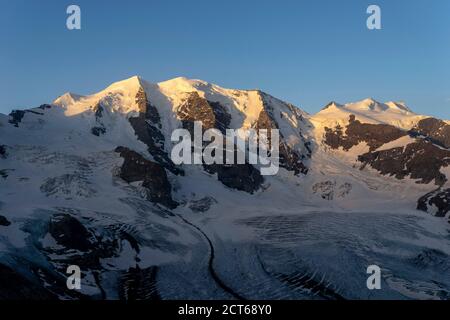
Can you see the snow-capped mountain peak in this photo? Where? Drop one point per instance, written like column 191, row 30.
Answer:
column 89, row 180
column 127, row 84
column 370, row 111
column 399, row 105
column 372, row 105
column 183, row 84
column 118, row 97
column 67, row 98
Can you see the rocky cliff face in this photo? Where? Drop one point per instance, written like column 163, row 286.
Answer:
column 418, row 158
column 290, row 159
column 375, row 135
column 2, row 151
column 147, row 126
column 153, row 176
column 421, row 160
column 436, row 202
column 434, row 130
column 243, row 177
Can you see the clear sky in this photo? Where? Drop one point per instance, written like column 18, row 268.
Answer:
column 305, row 52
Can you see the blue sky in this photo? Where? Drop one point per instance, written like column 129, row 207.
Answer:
column 305, row 52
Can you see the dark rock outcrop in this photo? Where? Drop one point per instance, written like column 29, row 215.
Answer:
column 4, row 222
column 436, row 202
column 222, row 117
column 375, row 135
column 98, row 111
column 97, row 131
column 44, row 106
column 16, row 116
column 196, row 108
column 435, row 130
column 329, row 190
column 2, row 151
column 153, row 176
column 211, row 114
column 420, row 160
column 14, row 286
column 243, row 177
column 202, row 205
column 147, row 126
column 70, row 233
column 4, row 173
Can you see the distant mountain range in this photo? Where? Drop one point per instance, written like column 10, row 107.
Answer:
column 88, row 180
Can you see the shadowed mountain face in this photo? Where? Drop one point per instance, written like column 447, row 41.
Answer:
column 437, row 201
column 435, row 130
column 16, row 287
column 147, row 126
column 153, row 176
column 89, row 181
column 213, row 115
column 194, row 108
column 290, row 159
column 375, row 135
column 422, row 159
